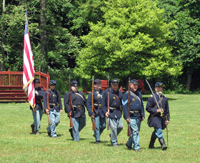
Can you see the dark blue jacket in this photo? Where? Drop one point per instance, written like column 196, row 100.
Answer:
column 54, row 100
column 113, row 102
column 78, row 99
column 155, row 120
column 38, row 99
column 135, row 105
column 98, row 96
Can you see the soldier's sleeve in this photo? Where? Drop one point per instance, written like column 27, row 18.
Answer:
column 59, row 100
column 89, row 104
column 66, row 103
column 142, row 104
column 41, row 93
column 167, row 111
column 125, row 105
column 45, row 99
column 149, row 106
column 104, row 102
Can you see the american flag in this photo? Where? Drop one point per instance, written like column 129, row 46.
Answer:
column 28, row 67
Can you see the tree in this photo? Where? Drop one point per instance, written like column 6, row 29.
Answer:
column 2, row 67
column 186, row 41
column 131, row 40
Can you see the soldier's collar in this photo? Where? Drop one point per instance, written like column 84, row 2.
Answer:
column 116, row 92
column 73, row 91
column 160, row 95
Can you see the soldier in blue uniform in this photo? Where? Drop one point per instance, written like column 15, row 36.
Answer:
column 115, row 114
column 97, row 114
column 38, row 110
column 77, row 110
column 55, row 105
column 159, row 116
column 136, row 113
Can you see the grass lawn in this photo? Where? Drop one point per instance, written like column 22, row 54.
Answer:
column 18, row 145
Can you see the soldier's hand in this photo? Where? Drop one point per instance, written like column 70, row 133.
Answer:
column 166, row 122
column 47, row 111
column 159, row 110
column 69, row 114
column 61, row 111
column 107, row 114
column 36, row 92
column 142, row 119
column 128, row 120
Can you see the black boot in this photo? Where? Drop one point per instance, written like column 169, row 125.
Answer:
column 152, row 141
column 162, row 143
column 33, row 128
column 70, row 130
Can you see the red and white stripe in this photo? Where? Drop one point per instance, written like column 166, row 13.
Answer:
column 28, row 71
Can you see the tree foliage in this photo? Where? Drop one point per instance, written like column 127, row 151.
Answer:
column 131, row 40
column 186, row 41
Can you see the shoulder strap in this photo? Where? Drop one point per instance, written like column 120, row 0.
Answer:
column 135, row 96
column 79, row 95
column 160, row 100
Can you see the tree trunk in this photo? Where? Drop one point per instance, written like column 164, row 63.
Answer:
column 43, row 37
column 189, row 80
column 2, row 66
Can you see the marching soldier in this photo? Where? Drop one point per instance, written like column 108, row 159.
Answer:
column 135, row 114
column 159, row 115
column 55, row 105
column 77, row 110
column 38, row 110
column 97, row 114
column 115, row 113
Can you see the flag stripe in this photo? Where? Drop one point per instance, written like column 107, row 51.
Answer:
column 27, row 50
column 28, row 67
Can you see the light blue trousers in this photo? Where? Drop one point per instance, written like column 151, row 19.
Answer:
column 116, row 126
column 100, row 126
column 134, row 138
column 55, row 120
column 157, row 133
column 78, row 125
column 37, row 118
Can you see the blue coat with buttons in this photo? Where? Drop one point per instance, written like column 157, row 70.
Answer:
column 54, row 100
column 135, row 105
column 78, row 99
column 98, row 96
column 155, row 120
column 38, row 99
column 113, row 102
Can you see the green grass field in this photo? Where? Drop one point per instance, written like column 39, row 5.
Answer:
column 18, row 145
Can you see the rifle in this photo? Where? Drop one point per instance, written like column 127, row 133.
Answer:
column 93, row 123
column 129, row 128
column 108, row 107
column 70, row 102
column 49, row 122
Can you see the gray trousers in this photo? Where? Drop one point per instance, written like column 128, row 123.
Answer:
column 116, row 126
column 78, row 124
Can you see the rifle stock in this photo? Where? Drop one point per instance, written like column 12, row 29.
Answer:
column 70, row 104
column 108, row 106
column 93, row 123
column 129, row 128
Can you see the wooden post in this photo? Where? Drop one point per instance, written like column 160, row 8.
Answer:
column 9, row 76
column 40, row 78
